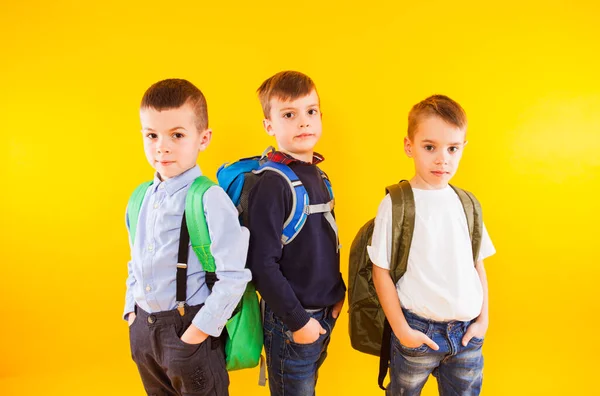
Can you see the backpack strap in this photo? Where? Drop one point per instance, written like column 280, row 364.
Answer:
column 196, row 223
column 194, row 227
column 327, row 209
column 301, row 207
column 134, row 207
column 474, row 219
column 298, row 215
column 403, row 224
column 327, row 184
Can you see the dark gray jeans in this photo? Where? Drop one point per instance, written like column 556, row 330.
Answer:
column 169, row 366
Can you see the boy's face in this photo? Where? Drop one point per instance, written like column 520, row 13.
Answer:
column 296, row 125
column 172, row 141
column 436, row 148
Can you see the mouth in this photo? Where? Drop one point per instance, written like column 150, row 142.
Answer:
column 440, row 173
column 165, row 163
column 304, row 136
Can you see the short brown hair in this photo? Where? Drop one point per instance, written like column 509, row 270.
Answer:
column 174, row 93
column 286, row 86
column 440, row 106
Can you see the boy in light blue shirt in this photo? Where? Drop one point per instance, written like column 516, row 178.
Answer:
column 180, row 352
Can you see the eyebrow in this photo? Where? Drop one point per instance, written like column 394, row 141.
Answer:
column 434, row 142
column 295, row 108
column 170, row 130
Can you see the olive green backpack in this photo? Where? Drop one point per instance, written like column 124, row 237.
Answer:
column 369, row 330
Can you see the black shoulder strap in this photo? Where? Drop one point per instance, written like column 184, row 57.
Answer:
column 182, row 259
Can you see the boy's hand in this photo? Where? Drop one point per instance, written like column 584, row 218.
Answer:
column 412, row 338
column 309, row 333
column 476, row 329
column 130, row 318
column 193, row 335
column 337, row 308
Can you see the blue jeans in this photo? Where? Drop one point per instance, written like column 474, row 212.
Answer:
column 293, row 367
column 458, row 368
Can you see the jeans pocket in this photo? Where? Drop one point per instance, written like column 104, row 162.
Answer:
column 328, row 323
column 181, row 347
column 418, row 351
column 409, row 351
column 303, row 351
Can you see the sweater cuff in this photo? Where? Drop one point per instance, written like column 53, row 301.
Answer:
column 297, row 318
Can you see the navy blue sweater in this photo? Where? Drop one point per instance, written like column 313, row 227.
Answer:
column 304, row 274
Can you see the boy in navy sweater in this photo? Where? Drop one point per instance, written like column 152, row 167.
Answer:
column 299, row 280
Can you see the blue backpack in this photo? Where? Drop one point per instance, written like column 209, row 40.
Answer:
column 238, row 178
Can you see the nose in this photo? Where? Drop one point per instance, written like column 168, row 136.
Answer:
column 442, row 158
column 304, row 121
column 163, row 146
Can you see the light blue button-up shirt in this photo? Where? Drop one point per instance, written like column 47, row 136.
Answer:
column 151, row 281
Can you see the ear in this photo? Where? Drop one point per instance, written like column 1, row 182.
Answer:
column 205, row 138
column 268, row 125
column 408, row 147
column 465, row 143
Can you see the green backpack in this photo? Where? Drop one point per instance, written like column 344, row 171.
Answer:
column 369, row 330
column 244, row 335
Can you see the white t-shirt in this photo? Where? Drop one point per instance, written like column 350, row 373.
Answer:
column 440, row 282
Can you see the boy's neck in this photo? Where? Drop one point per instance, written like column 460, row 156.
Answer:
column 420, row 184
column 163, row 178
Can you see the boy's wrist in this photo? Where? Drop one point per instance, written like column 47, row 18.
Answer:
column 401, row 328
column 482, row 320
column 298, row 319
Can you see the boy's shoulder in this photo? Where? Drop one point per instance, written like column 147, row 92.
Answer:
column 271, row 184
column 466, row 197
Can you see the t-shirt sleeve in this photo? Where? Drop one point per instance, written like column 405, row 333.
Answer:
column 380, row 250
column 487, row 247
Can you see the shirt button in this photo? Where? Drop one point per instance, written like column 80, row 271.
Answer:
column 155, row 205
column 148, row 288
column 161, row 186
column 150, row 247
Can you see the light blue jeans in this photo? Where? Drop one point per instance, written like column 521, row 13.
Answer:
column 457, row 368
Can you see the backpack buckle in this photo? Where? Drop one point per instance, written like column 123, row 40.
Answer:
column 181, row 308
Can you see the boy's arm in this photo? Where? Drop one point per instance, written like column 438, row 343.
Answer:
column 130, row 282
column 229, row 247
column 380, row 254
column 480, row 326
column 129, row 301
column 268, row 205
column 388, row 297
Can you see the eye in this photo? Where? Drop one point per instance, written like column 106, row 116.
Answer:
column 429, row 147
column 151, row 135
column 313, row 111
column 178, row 135
column 288, row 115
column 453, row 149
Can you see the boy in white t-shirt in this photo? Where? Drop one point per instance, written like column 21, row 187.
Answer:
column 438, row 311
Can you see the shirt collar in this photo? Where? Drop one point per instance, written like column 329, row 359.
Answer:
column 178, row 182
column 286, row 159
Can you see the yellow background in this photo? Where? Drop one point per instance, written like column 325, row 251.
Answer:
column 72, row 74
